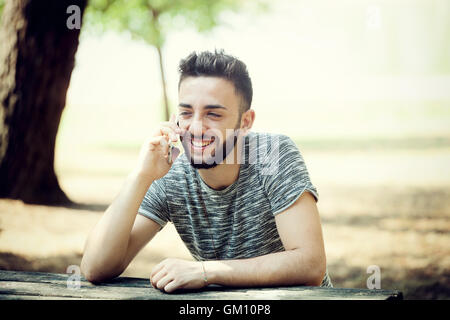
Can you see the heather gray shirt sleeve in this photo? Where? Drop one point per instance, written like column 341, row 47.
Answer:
column 154, row 204
column 288, row 177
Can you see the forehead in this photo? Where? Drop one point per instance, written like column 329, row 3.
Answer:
column 199, row 91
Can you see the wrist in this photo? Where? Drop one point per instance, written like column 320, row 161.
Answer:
column 141, row 177
column 213, row 271
column 139, row 184
column 204, row 274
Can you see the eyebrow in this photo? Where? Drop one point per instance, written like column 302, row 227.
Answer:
column 209, row 106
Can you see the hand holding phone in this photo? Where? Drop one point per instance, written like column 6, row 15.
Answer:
column 174, row 147
column 159, row 151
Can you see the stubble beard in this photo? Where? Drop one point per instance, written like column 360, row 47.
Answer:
column 220, row 153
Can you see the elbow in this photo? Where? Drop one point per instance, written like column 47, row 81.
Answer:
column 95, row 274
column 310, row 269
column 89, row 273
column 315, row 280
column 91, row 276
column 316, row 272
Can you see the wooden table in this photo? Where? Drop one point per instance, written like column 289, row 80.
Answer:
column 16, row 285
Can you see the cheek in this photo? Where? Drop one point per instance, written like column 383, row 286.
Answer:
column 223, row 137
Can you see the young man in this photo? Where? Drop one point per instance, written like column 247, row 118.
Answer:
column 242, row 202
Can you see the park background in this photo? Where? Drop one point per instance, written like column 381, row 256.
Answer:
column 362, row 87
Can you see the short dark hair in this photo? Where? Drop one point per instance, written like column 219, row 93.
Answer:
column 219, row 64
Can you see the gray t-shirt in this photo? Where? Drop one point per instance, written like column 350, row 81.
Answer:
column 239, row 221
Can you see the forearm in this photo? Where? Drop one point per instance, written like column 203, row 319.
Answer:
column 291, row 267
column 107, row 243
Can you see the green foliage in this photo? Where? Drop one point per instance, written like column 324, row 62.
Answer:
column 2, row 4
column 151, row 20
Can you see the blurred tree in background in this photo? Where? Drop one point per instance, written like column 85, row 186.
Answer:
column 37, row 56
column 152, row 20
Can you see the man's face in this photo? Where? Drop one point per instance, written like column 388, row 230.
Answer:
column 209, row 112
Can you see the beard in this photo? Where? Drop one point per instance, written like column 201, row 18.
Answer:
column 221, row 150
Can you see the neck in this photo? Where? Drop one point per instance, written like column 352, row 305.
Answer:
column 221, row 176
column 224, row 174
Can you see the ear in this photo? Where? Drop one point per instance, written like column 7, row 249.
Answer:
column 247, row 119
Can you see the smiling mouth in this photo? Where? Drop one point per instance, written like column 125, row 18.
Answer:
column 201, row 144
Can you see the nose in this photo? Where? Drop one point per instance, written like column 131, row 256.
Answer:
column 196, row 127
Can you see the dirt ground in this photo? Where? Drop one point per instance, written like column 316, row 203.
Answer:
column 401, row 227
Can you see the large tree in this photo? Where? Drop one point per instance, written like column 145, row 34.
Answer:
column 152, row 20
column 37, row 55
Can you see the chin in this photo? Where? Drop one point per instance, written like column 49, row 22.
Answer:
column 199, row 163
column 203, row 165
column 213, row 157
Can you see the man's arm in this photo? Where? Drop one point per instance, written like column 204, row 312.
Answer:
column 303, row 262
column 121, row 232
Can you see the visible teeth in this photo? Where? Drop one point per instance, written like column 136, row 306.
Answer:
column 200, row 143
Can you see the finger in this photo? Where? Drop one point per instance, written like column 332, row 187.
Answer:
column 172, row 286
column 158, row 140
column 175, row 121
column 170, row 132
column 173, row 118
column 158, row 276
column 161, row 283
column 172, row 124
column 160, row 143
column 156, row 269
column 164, row 145
column 180, row 130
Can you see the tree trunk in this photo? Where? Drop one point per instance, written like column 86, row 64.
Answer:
column 163, row 81
column 37, row 56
